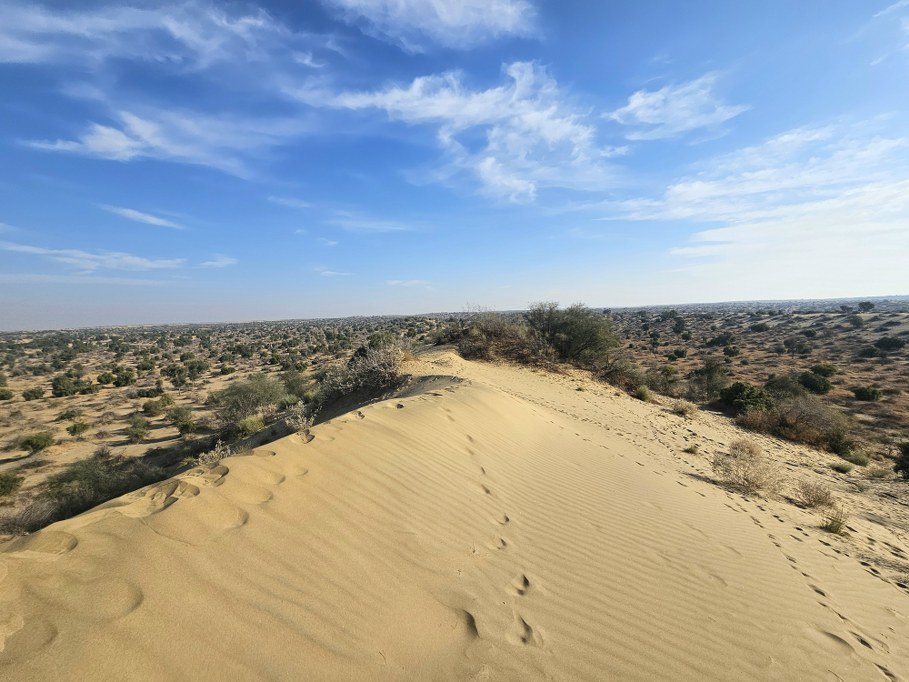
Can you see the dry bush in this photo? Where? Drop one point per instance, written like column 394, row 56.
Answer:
column 835, row 520
column 683, row 408
column 745, row 469
column 811, row 494
column 215, row 455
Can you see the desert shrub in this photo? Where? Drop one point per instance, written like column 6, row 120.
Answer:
column 740, row 397
column 782, row 386
column 36, row 442
column 867, row 393
column 811, row 494
column 835, row 520
column 664, row 380
column 68, row 415
column 137, row 429
column 106, row 378
column 824, row 369
column 77, row 428
column 842, row 467
column 857, row 458
column 88, row 482
column 683, row 408
column 63, row 386
column 9, row 483
column 643, row 393
column 745, row 469
column 759, row 327
column 902, row 461
column 692, row 449
column 107, row 417
column 577, row 334
column 6, row 394
column 296, row 383
column 706, row 382
column 152, row 408
column 869, row 352
column 32, row 393
column 815, row 382
column 250, row 425
column 215, row 455
column 491, row 335
column 889, row 343
column 375, row 370
column 805, row 419
column 245, row 398
column 623, row 373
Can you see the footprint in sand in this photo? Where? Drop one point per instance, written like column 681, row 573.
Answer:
column 521, row 585
column 525, row 634
column 44, row 546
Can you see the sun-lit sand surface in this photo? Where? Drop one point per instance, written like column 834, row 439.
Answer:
column 501, row 525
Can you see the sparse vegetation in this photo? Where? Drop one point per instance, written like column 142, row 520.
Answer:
column 811, row 494
column 744, row 468
column 36, row 442
column 835, row 520
column 9, row 483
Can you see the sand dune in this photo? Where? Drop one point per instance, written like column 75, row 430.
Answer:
column 500, row 525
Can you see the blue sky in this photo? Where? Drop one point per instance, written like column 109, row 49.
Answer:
column 194, row 161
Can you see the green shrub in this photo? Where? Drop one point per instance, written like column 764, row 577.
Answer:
column 251, row 425
column 36, row 442
column 824, row 369
column 869, row 352
column 842, row 467
column 902, row 461
column 33, row 393
column 835, row 520
column 706, row 382
column 857, row 458
column 9, row 483
column 889, row 343
column 815, row 382
column 783, row 386
column 69, row 415
column 759, row 327
column 577, row 334
column 137, row 430
column 643, row 393
column 6, row 394
column 867, row 393
column 105, row 378
column 740, row 397
column 77, row 428
column 245, row 398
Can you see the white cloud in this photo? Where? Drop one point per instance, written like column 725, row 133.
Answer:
column 289, row 202
column 221, row 142
column 813, row 210
column 186, row 35
column 675, row 109
column 219, row 261
column 449, row 23
column 140, row 217
column 408, row 283
column 512, row 139
column 88, row 261
column 327, row 242
column 326, row 272
column 354, row 222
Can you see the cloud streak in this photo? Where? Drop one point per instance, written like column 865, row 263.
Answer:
column 414, row 24
column 141, row 217
column 89, row 261
column 674, row 110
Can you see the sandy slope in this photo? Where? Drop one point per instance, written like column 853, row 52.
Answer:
column 507, row 526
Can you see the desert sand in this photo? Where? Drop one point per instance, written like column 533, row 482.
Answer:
column 491, row 522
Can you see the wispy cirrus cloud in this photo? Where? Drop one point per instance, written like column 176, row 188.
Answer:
column 141, row 217
column 184, row 36
column 327, row 242
column 354, row 222
column 806, row 207
column 328, row 272
column 675, row 109
column 289, row 202
column 407, row 283
column 414, row 24
column 38, row 278
column 225, row 143
column 90, row 261
column 219, row 261
column 512, row 139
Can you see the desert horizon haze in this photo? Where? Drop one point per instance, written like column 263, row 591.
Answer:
column 224, row 161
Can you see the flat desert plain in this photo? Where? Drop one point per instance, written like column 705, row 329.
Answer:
column 490, row 522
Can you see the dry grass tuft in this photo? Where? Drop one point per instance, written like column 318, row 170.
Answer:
column 835, row 520
column 745, row 469
column 811, row 494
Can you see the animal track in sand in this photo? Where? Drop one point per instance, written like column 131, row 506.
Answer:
column 261, row 452
column 525, row 634
column 521, row 585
